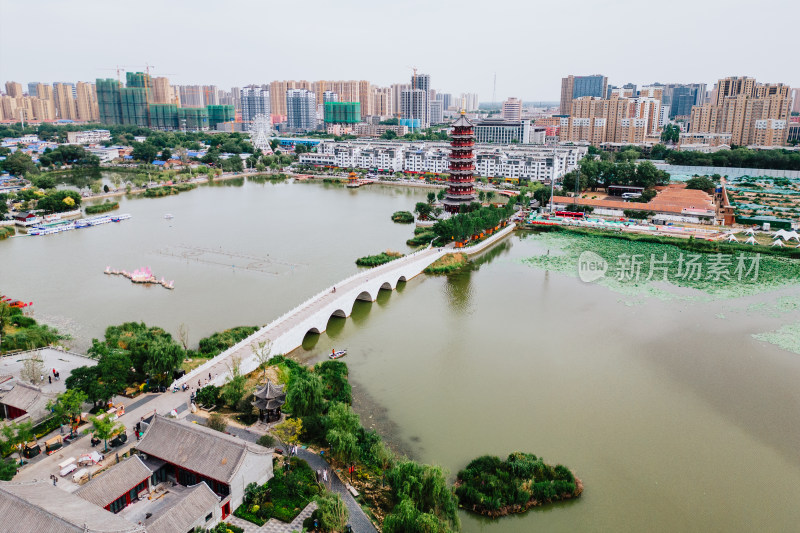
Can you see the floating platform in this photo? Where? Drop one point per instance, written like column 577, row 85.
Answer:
column 142, row 275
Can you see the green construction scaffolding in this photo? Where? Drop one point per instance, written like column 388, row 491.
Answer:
column 342, row 112
column 220, row 113
column 108, row 101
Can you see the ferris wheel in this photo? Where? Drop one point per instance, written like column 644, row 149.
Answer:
column 260, row 128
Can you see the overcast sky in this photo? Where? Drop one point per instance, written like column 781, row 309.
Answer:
column 530, row 45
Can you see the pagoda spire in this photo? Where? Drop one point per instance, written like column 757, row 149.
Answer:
column 460, row 184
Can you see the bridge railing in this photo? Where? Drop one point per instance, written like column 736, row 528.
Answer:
column 258, row 334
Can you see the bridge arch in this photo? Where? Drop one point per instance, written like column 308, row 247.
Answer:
column 339, row 313
column 365, row 296
column 386, row 286
column 401, row 278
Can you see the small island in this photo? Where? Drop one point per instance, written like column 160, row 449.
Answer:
column 492, row 487
column 380, row 259
column 403, row 217
column 101, row 208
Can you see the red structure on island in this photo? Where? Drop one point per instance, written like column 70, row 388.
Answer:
column 462, row 166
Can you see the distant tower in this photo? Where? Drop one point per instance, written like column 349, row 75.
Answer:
column 259, row 133
column 462, row 166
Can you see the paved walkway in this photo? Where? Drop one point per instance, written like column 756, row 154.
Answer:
column 273, row 525
column 358, row 519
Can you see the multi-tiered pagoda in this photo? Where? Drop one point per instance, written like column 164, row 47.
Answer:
column 462, row 166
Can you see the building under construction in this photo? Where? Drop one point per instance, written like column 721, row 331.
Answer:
column 131, row 104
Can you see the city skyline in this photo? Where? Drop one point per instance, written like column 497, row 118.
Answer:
column 187, row 55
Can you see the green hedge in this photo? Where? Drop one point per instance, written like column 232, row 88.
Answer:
column 6, row 232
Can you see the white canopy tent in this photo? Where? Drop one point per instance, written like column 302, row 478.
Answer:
column 750, row 240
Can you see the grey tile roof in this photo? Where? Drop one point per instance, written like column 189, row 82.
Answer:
column 197, row 448
column 114, row 482
column 182, row 514
column 22, row 396
column 38, row 507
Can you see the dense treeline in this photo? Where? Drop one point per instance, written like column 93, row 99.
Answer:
column 319, row 400
column 742, row 157
column 738, row 157
column 68, row 154
column 491, row 486
column 131, row 352
column 594, row 174
column 464, row 225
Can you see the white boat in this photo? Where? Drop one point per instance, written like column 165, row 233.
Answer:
column 169, row 216
column 336, row 355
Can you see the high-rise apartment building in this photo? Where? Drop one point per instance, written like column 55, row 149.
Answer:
column 14, row 89
column 85, row 104
column 422, row 82
column 437, row 111
column 45, row 109
column 255, row 100
column 796, row 101
column 397, row 91
column 330, row 96
column 32, row 85
column 512, row 110
column 64, row 101
column 414, row 108
column 301, row 109
column 163, row 92
column 752, row 113
column 446, row 99
column 573, row 87
column 279, row 89
column 468, row 102
column 382, row 102
column 615, row 119
column 191, row 95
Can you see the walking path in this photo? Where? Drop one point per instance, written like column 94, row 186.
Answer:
column 358, row 519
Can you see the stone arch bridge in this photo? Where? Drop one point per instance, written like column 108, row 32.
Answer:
column 287, row 332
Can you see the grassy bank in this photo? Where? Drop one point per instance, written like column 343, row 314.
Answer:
column 380, row 259
column 6, row 232
column 101, row 208
column 447, row 264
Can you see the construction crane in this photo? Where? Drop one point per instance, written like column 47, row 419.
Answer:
column 411, row 96
column 118, row 68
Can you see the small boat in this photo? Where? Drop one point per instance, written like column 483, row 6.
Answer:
column 336, row 355
column 169, row 216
